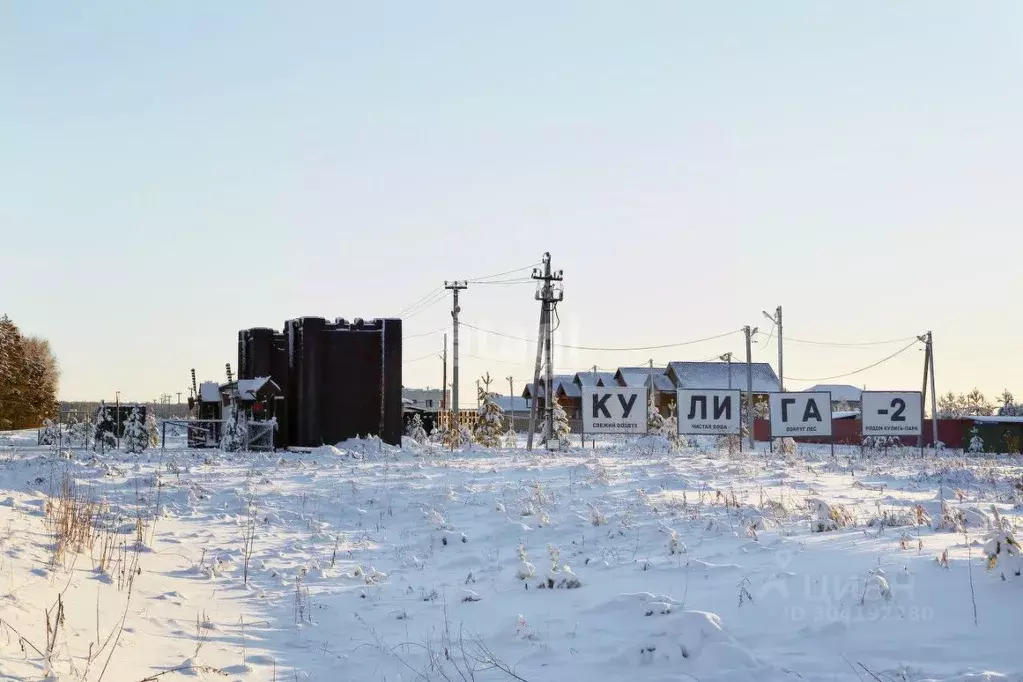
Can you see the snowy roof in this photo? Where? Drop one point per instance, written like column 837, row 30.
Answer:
column 248, row 388
column 209, row 392
column 510, row 403
column 995, row 419
column 839, row 392
column 569, row 388
column 636, row 377
column 595, row 379
column 557, row 380
column 715, row 375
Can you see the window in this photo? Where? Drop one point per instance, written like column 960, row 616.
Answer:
column 429, row 403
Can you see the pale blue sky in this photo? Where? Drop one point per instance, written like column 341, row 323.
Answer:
column 173, row 172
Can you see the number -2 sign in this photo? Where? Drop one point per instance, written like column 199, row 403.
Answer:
column 892, row 413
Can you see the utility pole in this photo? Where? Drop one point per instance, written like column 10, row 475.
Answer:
column 923, row 392
column 776, row 318
column 511, row 400
column 444, row 383
column 727, row 357
column 749, row 383
column 478, row 395
column 455, row 287
column 549, row 294
column 928, row 341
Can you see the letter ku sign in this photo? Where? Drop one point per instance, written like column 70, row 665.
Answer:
column 709, row 411
column 801, row 414
column 614, row 410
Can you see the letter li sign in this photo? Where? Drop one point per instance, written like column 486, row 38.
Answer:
column 709, row 411
column 801, row 414
column 614, row 410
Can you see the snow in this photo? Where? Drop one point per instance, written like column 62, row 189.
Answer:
column 209, row 392
column 368, row 562
column 248, row 388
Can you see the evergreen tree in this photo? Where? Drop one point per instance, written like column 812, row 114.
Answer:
column 976, row 442
column 415, row 429
column 136, row 437
column 50, row 433
column 103, row 438
column 654, row 418
column 1009, row 407
column 490, row 423
column 562, row 428
column 28, row 379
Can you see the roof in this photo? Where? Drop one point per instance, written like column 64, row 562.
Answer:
column 595, row 379
column 636, row 377
column 511, row 403
column 249, row 388
column 839, row 392
column 557, row 381
column 209, row 392
column 715, row 375
column 994, row 419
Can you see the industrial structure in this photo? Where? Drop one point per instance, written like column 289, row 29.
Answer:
column 332, row 380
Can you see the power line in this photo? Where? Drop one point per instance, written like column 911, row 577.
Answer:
column 518, row 280
column 864, row 369
column 412, row 305
column 413, row 336
column 422, row 357
column 440, row 297
column 479, row 280
column 851, row 344
column 608, row 350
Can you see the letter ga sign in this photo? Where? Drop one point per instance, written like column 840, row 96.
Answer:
column 709, row 411
column 614, row 410
column 801, row 414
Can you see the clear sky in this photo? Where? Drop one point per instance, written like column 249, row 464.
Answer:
column 173, row 172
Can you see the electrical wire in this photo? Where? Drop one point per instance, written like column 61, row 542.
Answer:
column 405, row 337
column 435, row 301
column 479, row 280
column 861, row 369
column 412, row 305
column 608, row 350
column 520, row 280
column 422, row 357
column 849, row 345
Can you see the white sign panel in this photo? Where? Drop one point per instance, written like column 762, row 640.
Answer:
column 614, row 410
column 801, row 414
column 892, row 413
column 710, row 411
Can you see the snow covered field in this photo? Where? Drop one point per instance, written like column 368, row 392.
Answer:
column 620, row 563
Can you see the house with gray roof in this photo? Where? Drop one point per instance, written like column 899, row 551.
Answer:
column 723, row 375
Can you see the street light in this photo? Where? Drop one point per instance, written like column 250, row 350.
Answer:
column 727, row 357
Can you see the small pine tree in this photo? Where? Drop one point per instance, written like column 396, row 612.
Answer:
column 50, row 432
column 415, row 429
column 236, row 430
column 561, row 426
column 654, row 418
column 103, row 439
column 976, row 442
column 491, row 417
column 136, row 437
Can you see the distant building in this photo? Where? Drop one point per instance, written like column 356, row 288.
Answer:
column 426, row 399
column 724, row 375
column 842, row 395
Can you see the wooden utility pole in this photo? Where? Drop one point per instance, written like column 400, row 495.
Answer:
column 444, row 383
column 749, row 384
column 455, row 287
column 549, row 294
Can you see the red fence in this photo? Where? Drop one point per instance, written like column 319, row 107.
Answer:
column 954, row 433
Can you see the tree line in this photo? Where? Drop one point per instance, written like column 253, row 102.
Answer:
column 975, row 404
column 29, row 376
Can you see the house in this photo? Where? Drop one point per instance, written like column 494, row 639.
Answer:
column 516, row 410
column 427, row 399
column 843, row 396
column 724, row 375
column 644, row 377
column 568, row 393
column 591, row 379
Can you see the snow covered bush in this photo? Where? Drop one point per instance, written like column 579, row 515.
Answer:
column 1001, row 547
column 103, row 439
column 787, row 446
column 415, row 429
column 136, row 437
column 490, row 423
column 236, row 430
column 50, row 433
column 654, row 418
column 827, row 517
column 976, row 445
column 152, row 429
